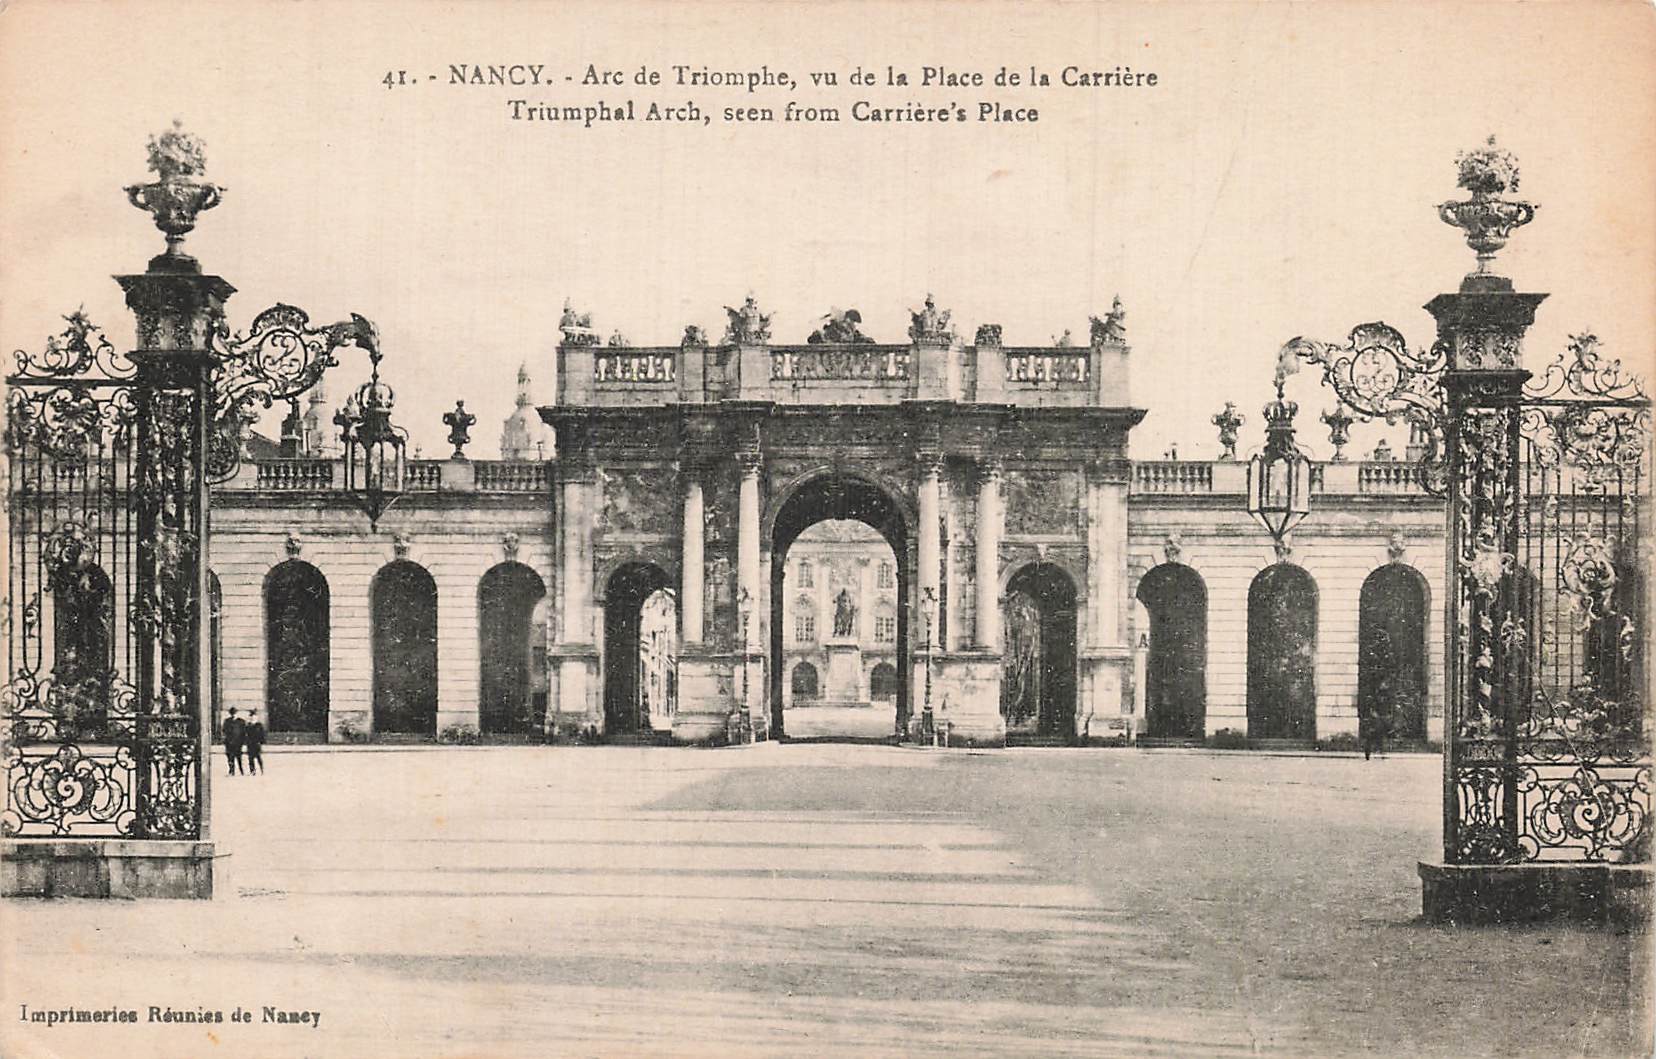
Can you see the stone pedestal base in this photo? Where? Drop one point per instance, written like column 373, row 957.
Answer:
column 575, row 700
column 966, row 697
column 844, row 680
column 1511, row 893
column 705, row 696
column 92, row 867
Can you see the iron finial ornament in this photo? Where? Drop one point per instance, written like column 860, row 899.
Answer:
column 375, row 456
column 1339, row 423
column 459, row 423
column 1487, row 219
column 1229, row 421
column 175, row 198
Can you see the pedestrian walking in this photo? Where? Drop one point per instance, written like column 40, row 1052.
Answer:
column 255, row 737
column 235, row 738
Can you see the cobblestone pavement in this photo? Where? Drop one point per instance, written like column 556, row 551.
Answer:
column 818, row 900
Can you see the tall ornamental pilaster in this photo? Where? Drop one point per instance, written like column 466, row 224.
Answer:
column 747, row 536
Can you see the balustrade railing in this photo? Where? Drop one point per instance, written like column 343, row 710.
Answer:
column 423, row 475
column 289, row 475
column 1055, row 367
column 841, row 363
column 1388, row 477
column 1173, row 476
column 512, row 476
column 621, row 366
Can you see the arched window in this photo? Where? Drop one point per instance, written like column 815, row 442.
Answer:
column 804, row 682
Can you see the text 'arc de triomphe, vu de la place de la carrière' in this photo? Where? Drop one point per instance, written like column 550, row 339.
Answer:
column 981, row 466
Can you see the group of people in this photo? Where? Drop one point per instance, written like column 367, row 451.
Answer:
column 240, row 736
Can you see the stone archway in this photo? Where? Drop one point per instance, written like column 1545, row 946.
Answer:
column 1391, row 654
column 297, row 648
column 827, row 496
column 627, row 646
column 1038, row 681
column 1282, row 654
column 1175, row 686
column 403, row 600
column 507, row 598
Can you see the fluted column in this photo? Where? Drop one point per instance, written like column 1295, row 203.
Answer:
column 929, row 546
column 989, row 524
column 690, row 581
column 747, row 536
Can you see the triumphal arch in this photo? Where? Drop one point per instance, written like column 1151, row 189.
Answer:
column 994, row 472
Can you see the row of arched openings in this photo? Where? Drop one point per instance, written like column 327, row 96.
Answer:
column 403, row 619
column 1282, row 652
column 806, row 686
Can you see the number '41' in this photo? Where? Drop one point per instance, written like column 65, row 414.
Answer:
column 395, row 78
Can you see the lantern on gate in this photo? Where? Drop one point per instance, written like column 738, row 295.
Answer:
column 1279, row 477
column 376, row 463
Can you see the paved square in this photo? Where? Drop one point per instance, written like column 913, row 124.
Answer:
column 819, row 899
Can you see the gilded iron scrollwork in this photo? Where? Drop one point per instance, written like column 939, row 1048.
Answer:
column 1377, row 376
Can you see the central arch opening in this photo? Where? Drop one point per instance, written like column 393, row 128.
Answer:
column 838, row 664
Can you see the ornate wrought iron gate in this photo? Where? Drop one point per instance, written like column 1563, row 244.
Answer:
column 1547, row 755
column 103, row 692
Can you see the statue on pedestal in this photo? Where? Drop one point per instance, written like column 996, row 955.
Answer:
column 845, row 614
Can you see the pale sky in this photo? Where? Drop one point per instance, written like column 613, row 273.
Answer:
column 1281, row 179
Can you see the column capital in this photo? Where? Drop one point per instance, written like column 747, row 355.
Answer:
column 930, row 463
column 751, row 463
column 1109, row 471
column 990, row 468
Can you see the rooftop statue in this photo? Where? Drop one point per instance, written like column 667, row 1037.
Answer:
column 748, row 326
column 1113, row 328
column 576, row 327
column 840, row 327
column 928, row 324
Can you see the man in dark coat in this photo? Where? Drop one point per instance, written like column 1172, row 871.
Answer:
column 235, row 737
column 255, row 737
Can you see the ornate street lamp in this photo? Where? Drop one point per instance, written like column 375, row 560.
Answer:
column 376, row 463
column 1279, row 478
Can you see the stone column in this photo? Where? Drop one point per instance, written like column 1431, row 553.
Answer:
column 748, row 589
column 990, row 520
column 690, row 581
column 929, row 546
column 747, row 533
